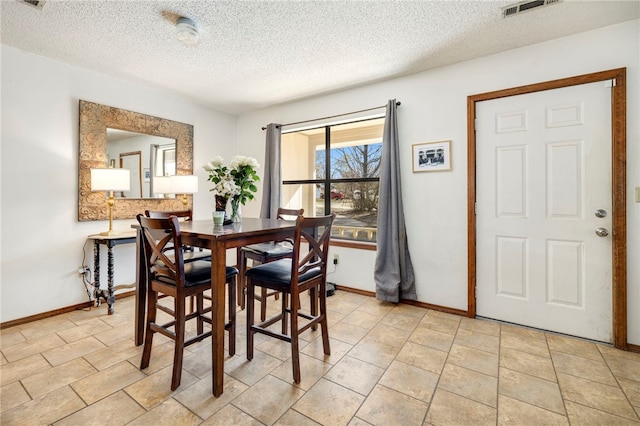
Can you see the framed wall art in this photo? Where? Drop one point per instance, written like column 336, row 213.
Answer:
column 431, row 156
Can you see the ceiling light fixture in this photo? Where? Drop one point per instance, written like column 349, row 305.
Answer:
column 187, row 32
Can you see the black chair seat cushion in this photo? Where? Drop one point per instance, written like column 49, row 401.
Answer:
column 279, row 272
column 197, row 273
column 269, row 250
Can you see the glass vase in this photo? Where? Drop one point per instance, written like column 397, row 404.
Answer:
column 236, row 213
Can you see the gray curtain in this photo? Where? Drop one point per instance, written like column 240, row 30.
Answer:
column 271, row 193
column 393, row 273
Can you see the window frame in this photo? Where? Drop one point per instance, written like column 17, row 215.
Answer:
column 327, row 181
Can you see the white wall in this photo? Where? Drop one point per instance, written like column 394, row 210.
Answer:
column 434, row 108
column 42, row 240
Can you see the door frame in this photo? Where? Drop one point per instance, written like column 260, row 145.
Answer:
column 618, row 187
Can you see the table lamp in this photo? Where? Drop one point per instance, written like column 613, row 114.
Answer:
column 178, row 184
column 110, row 180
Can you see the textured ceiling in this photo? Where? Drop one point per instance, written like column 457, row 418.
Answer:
column 254, row 54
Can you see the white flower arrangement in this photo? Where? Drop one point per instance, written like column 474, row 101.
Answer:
column 236, row 182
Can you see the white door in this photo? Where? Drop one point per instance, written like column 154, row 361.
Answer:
column 543, row 186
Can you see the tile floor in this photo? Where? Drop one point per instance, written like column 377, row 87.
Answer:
column 390, row 365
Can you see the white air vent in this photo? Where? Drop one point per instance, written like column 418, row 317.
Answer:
column 38, row 4
column 525, row 6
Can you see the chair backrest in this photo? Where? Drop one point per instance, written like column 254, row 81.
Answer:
column 291, row 214
column 180, row 214
column 314, row 232
column 162, row 244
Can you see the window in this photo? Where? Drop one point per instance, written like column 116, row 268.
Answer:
column 335, row 168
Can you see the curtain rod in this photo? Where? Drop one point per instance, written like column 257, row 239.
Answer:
column 334, row 116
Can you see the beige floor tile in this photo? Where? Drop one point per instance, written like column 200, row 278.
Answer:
column 624, row 368
column 631, row 388
column 199, row 397
column 517, row 413
column 533, row 365
column 477, row 340
column 401, row 321
column 362, row 319
column 56, row 377
column 45, row 327
column 532, row 390
column 523, row 332
column 432, row 338
column 338, row 350
column 112, row 335
column 12, row 395
column 311, row 370
column 329, row 403
column 293, row 418
column 573, row 346
column 376, row 307
column 389, row 335
column 386, row 406
column 373, row 352
column 45, row 410
column 34, row 346
column 405, row 309
column 231, row 415
column 3, row 360
column 169, row 413
column 579, row 415
column 422, row 357
column 278, row 348
column 605, row 398
column 342, row 306
column 470, row 384
column 88, row 328
column 162, row 354
column 347, row 333
column 22, row 368
column 440, row 322
column 103, row 383
column 354, row 374
column 479, row 325
column 358, row 422
column 11, row 336
column 116, row 409
column 450, row 409
column 268, row 399
column 69, row 351
column 608, row 351
column 596, row 371
column 114, row 354
column 251, row 372
column 524, row 342
column 409, row 380
column 474, row 359
column 156, row 388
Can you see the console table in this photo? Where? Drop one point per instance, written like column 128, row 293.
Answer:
column 110, row 241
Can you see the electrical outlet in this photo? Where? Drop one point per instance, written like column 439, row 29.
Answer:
column 336, row 257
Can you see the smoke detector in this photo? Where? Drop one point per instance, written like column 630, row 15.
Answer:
column 38, row 4
column 526, row 6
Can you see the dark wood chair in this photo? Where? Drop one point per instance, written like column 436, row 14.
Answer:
column 168, row 274
column 305, row 270
column 189, row 253
column 260, row 254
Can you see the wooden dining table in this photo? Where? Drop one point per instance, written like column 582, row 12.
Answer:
column 218, row 239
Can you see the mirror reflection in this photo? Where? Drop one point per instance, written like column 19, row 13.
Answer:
column 167, row 149
column 145, row 156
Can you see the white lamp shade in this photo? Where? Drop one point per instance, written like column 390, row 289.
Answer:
column 162, row 184
column 184, row 184
column 180, row 184
column 110, row 179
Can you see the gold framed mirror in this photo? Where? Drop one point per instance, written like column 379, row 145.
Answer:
column 95, row 119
